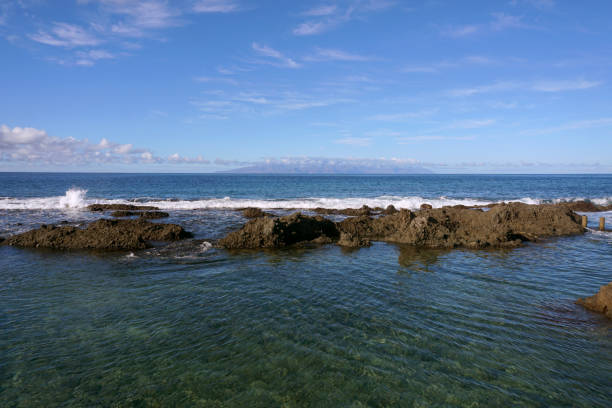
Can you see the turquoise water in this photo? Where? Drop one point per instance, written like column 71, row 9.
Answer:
column 381, row 326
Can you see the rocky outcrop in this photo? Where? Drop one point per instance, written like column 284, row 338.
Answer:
column 121, row 207
column 601, row 302
column 147, row 215
column 351, row 212
column 505, row 225
column 252, row 212
column 586, row 206
column 102, row 234
column 268, row 232
column 153, row 215
column 426, row 206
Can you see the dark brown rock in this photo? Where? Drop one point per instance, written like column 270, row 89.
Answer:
column 505, row 225
column 253, row 212
column 389, row 210
column 351, row 212
column 124, row 207
column 268, row 232
column 601, row 302
column 147, row 215
column 101, row 234
column 586, row 206
column 124, row 213
column 153, row 215
column 426, row 206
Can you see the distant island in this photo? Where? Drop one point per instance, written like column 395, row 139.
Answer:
column 331, row 166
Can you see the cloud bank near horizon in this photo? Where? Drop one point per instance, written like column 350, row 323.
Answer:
column 36, row 149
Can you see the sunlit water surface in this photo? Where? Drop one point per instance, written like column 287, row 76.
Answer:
column 387, row 325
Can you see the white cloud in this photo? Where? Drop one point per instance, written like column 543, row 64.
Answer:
column 576, row 125
column 461, row 31
column 324, row 18
column 441, row 65
column 429, row 138
column 321, row 11
column 471, row 123
column 354, row 141
column 502, row 21
column 216, row 6
column 66, row 35
column 36, row 147
column 322, row 54
column 538, row 86
column 269, row 52
column 403, row 116
column 564, row 85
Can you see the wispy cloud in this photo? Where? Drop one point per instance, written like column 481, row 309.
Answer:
column 500, row 21
column 354, row 141
column 66, row 35
column 433, row 67
column 564, row 85
column 281, row 60
column 537, row 86
column 216, row 6
column 323, row 54
column 402, row 116
column 327, row 17
column 430, row 138
column 575, row 125
column 321, row 11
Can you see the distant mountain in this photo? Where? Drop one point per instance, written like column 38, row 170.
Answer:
column 332, row 166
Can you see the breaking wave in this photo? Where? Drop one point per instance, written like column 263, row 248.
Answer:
column 76, row 198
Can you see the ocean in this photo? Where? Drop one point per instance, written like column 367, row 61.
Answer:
column 188, row 324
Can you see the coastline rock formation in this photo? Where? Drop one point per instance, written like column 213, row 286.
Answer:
column 253, row 212
column 121, row 207
column 505, row 225
column 147, row 215
column 601, row 302
column 269, row 232
column 101, row 234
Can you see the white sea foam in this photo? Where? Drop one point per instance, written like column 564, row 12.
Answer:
column 76, row 198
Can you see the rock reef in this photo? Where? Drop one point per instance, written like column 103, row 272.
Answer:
column 252, row 212
column 120, row 207
column 103, row 234
column 505, row 225
column 269, row 232
column 601, row 302
column 147, row 215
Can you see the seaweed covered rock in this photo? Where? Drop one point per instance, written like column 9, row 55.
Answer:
column 505, row 225
column 253, row 212
column 601, row 302
column 280, row 232
column 147, row 215
column 101, row 234
column 351, row 212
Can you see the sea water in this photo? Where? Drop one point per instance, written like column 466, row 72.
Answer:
column 188, row 324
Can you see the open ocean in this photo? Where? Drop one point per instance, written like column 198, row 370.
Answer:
column 191, row 325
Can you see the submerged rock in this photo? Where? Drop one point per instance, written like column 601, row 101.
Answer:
column 101, row 234
column 122, row 207
column 268, row 232
column 505, row 225
column 601, row 302
column 253, row 212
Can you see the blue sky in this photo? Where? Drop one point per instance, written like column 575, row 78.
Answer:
column 207, row 85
